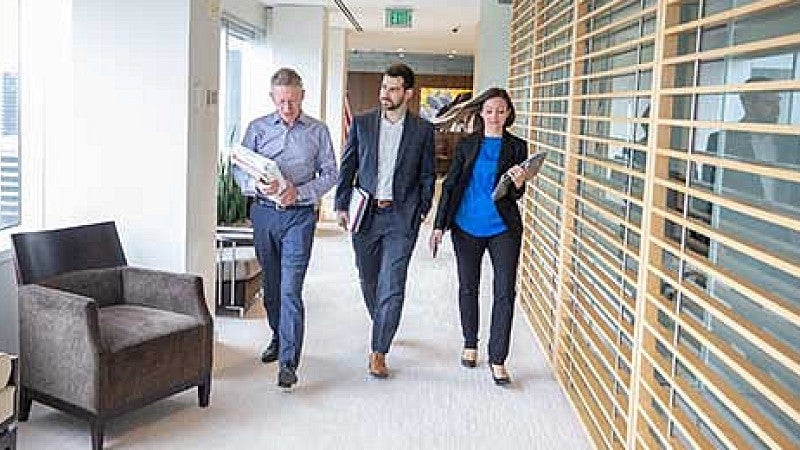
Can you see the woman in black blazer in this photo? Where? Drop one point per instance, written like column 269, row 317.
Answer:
column 479, row 224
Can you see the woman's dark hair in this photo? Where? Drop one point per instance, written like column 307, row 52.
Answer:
column 401, row 70
column 477, row 105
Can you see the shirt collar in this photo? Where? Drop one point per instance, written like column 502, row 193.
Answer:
column 388, row 122
column 302, row 119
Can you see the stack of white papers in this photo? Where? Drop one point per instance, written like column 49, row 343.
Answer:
column 258, row 167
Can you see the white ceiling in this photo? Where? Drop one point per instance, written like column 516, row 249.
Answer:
column 433, row 22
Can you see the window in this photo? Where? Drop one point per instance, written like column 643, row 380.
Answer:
column 9, row 114
column 243, row 78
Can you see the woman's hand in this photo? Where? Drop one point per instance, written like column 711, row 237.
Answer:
column 517, row 175
column 435, row 240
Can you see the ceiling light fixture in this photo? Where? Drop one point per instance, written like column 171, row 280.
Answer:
column 349, row 15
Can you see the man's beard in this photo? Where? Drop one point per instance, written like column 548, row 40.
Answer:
column 392, row 105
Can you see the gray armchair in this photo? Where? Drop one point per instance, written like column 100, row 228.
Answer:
column 99, row 338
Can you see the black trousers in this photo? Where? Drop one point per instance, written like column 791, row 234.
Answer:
column 504, row 251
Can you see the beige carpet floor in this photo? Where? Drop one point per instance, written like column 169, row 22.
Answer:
column 430, row 401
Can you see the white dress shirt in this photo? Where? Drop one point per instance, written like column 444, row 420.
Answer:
column 388, row 146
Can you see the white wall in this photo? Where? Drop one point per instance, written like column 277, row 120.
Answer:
column 336, row 76
column 298, row 40
column 492, row 46
column 46, row 100
column 201, row 156
column 130, row 118
column 117, row 126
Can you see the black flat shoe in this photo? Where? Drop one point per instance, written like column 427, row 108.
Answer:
column 286, row 377
column 270, row 354
column 499, row 374
column 469, row 357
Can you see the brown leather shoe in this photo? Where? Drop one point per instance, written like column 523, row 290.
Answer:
column 377, row 365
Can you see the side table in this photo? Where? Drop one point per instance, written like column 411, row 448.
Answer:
column 238, row 275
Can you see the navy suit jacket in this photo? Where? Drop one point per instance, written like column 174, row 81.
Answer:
column 414, row 173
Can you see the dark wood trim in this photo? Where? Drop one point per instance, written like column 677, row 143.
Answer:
column 8, row 438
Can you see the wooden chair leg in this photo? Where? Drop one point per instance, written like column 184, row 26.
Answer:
column 25, row 402
column 97, row 434
column 12, row 444
column 8, row 439
column 204, row 392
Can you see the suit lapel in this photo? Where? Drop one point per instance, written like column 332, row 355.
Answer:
column 376, row 139
column 472, row 153
column 506, row 155
column 409, row 128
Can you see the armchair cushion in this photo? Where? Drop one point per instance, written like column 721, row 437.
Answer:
column 125, row 326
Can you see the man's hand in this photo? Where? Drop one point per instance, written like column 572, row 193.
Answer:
column 342, row 219
column 435, row 240
column 269, row 188
column 288, row 196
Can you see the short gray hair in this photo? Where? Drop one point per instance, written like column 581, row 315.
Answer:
column 286, row 77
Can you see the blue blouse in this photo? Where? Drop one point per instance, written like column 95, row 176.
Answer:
column 477, row 214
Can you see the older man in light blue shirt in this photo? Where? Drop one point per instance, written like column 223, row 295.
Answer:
column 283, row 229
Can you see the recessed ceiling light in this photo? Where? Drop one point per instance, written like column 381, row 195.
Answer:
column 401, row 49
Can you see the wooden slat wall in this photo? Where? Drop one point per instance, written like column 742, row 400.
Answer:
column 661, row 254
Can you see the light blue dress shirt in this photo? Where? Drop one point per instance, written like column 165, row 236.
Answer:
column 303, row 152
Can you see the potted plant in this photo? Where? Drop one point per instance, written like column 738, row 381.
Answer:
column 231, row 204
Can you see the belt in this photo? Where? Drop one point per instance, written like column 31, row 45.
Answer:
column 271, row 204
column 382, row 204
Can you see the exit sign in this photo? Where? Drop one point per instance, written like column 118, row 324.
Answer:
column 398, row 18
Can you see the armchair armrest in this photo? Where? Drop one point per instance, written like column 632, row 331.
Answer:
column 176, row 292
column 60, row 346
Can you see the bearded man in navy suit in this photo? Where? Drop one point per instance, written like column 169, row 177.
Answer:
column 389, row 154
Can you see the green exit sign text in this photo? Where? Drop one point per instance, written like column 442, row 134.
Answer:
column 398, row 18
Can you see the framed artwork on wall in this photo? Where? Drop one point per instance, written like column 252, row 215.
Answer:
column 433, row 100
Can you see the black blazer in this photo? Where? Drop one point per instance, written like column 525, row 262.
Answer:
column 414, row 173
column 513, row 151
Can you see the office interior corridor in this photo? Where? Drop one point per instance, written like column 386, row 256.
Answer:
column 429, row 402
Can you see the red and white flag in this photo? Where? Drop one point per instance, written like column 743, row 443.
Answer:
column 347, row 117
